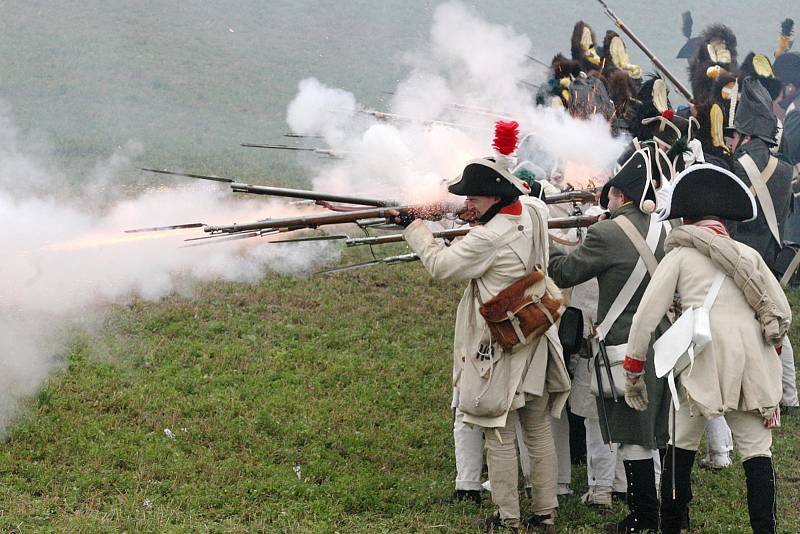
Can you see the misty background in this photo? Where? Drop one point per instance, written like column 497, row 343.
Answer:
column 190, row 80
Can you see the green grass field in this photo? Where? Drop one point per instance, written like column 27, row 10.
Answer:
column 296, row 404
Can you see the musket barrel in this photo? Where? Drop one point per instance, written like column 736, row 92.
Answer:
column 308, row 195
column 657, row 62
column 306, row 221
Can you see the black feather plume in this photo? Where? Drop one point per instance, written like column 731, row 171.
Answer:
column 679, row 147
column 787, row 27
column 687, row 24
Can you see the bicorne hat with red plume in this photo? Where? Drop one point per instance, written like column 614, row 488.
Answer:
column 490, row 176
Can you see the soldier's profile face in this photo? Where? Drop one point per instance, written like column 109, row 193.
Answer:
column 732, row 141
column 477, row 206
column 615, row 198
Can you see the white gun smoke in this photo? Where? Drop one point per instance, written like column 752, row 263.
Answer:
column 471, row 74
column 67, row 258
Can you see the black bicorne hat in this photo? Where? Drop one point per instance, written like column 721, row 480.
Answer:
column 689, row 49
column 708, row 190
column 484, row 177
column 751, row 114
column 787, row 68
column 634, row 179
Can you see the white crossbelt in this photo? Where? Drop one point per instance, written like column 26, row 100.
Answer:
column 759, row 181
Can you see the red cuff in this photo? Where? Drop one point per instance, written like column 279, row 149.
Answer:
column 633, row 365
column 779, row 349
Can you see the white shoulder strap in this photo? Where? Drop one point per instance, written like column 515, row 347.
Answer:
column 713, row 291
column 643, row 246
column 759, row 187
column 632, row 284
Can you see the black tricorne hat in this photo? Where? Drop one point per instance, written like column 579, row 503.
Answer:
column 484, row 177
column 751, row 114
column 708, row 190
column 634, row 179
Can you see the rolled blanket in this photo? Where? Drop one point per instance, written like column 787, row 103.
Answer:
column 724, row 253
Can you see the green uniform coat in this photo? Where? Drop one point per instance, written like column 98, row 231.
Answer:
column 607, row 254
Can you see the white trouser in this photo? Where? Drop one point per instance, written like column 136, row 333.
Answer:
column 501, row 456
column 469, row 453
column 560, row 429
column 602, row 466
column 524, row 457
column 749, row 434
column 720, row 440
column 789, row 376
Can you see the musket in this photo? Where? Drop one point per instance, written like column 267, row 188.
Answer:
column 321, row 151
column 580, row 221
column 481, row 111
column 432, row 211
column 395, row 117
column 238, row 187
column 658, row 64
column 536, row 60
column 576, row 195
column 303, row 136
column 391, row 260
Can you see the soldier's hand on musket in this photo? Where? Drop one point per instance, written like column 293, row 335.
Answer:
column 401, row 219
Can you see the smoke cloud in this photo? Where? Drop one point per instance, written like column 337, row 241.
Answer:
column 66, row 256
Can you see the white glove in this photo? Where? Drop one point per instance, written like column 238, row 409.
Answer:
column 636, row 391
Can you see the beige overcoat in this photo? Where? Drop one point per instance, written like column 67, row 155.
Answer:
column 491, row 266
column 738, row 370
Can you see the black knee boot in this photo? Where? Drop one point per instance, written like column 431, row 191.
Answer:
column 642, row 499
column 761, row 494
column 675, row 511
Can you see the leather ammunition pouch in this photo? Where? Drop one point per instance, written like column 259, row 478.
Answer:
column 522, row 311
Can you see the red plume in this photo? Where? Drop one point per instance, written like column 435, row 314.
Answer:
column 506, row 137
column 668, row 114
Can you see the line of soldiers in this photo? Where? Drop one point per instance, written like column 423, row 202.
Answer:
column 695, row 221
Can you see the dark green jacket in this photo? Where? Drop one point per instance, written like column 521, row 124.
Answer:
column 608, row 255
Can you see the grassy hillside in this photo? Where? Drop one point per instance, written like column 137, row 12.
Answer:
column 296, row 405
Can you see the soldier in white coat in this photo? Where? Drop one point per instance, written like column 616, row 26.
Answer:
column 497, row 388
column 738, row 372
